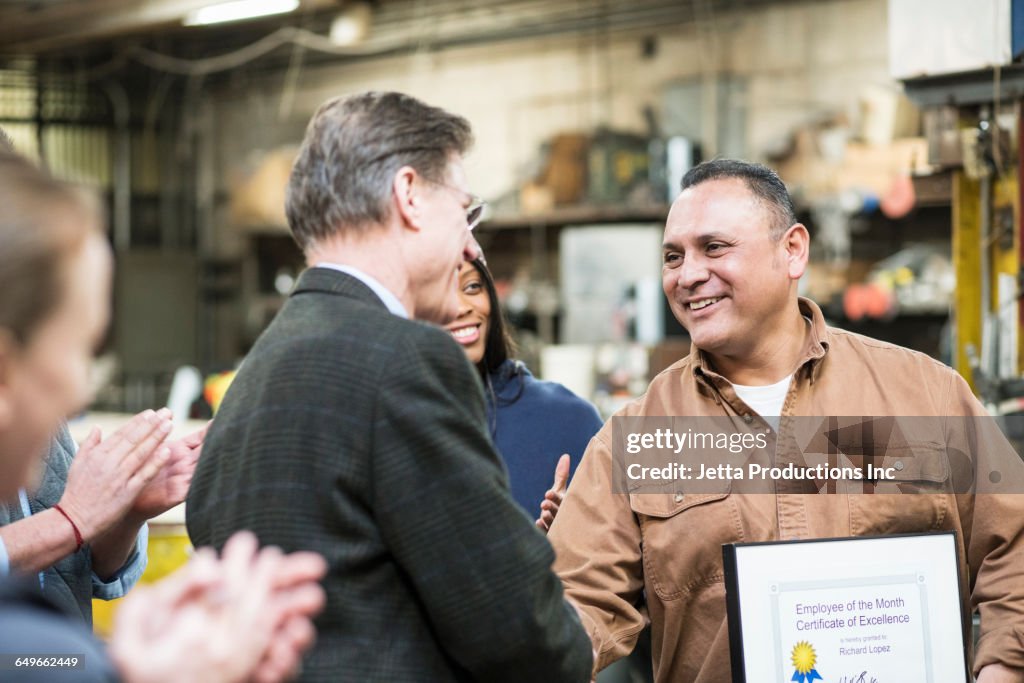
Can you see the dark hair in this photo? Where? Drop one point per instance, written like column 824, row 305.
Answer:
column 353, row 147
column 498, row 346
column 43, row 222
column 764, row 183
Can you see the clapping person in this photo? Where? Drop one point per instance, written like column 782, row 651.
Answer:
column 81, row 527
column 245, row 616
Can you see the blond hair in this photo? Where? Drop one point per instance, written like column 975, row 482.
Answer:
column 43, row 222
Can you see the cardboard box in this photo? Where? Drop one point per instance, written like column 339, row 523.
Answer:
column 257, row 196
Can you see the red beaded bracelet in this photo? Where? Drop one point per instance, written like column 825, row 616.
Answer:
column 78, row 534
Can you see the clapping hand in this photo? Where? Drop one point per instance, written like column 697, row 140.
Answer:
column 246, row 617
column 170, row 485
column 107, row 475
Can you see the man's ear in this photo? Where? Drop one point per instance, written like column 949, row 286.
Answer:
column 407, row 197
column 797, row 242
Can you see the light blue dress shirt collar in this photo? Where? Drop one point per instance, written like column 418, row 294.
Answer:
column 382, row 292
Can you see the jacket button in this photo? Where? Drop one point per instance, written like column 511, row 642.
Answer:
column 748, row 419
column 679, row 497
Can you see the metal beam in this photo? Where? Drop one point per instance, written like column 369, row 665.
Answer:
column 397, row 24
column 61, row 25
column 967, row 88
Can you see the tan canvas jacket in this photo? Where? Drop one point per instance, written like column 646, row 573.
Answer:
column 617, row 551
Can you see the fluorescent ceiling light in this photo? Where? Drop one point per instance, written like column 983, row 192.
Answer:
column 352, row 26
column 238, row 9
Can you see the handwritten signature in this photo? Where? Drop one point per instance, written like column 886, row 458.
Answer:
column 863, row 678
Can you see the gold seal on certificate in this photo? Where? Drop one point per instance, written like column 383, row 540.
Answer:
column 851, row 610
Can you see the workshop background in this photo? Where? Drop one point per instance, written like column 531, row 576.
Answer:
column 896, row 125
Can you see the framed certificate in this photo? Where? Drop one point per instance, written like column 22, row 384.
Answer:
column 848, row 610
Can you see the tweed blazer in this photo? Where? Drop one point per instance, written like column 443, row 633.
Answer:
column 361, row 435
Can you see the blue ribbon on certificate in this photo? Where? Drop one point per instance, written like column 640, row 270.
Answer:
column 804, row 659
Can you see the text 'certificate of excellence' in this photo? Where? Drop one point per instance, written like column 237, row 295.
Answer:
column 851, row 610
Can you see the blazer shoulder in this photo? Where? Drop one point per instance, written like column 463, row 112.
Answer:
column 425, row 354
column 426, row 340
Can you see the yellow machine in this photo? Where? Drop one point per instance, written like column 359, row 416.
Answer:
column 987, row 259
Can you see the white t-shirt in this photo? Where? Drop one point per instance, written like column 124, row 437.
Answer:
column 765, row 400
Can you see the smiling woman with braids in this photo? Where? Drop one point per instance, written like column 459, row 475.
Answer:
column 539, row 427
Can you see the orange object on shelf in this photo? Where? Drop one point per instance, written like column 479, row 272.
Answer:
column 215, row 388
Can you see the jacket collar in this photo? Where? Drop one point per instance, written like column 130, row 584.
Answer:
column 329, row 281
column 815, row 347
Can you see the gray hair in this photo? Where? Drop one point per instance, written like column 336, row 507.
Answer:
column 764, row 183
column 343, row 176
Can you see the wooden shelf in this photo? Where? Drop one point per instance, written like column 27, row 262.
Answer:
column 934, row 190
column 580, row 215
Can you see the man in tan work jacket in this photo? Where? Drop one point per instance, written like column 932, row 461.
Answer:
column 733, row 253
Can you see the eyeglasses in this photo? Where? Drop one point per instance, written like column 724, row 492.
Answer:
column 475, row 210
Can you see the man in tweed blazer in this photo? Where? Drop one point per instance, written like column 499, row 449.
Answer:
column 355, row 432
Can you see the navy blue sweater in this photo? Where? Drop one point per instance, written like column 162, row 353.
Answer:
column 534, row 423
